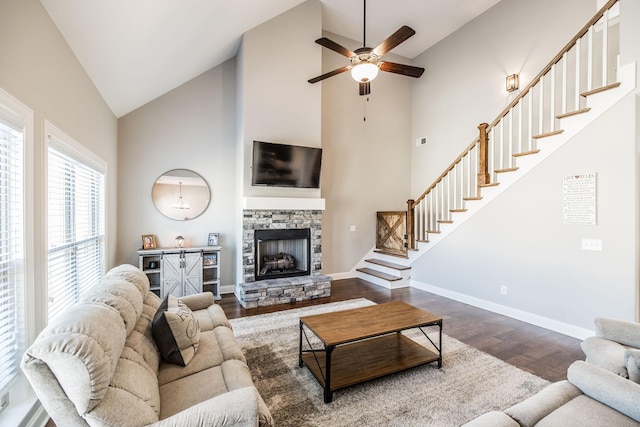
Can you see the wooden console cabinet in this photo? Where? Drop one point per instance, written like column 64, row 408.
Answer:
column 182, row 271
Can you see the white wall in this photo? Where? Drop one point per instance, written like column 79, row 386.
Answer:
column 278, row 105
column 39, row 69
column 519, row 240
column 366, row 166
column 192, row 127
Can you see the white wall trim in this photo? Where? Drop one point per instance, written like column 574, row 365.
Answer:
column 283, row 203
column 534, row 319
column 345, row 275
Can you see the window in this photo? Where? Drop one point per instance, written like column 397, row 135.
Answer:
column 76, row 225
column 12, row 239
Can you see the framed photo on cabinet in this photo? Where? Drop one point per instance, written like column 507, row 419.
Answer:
column 149, row 241
column 213, row 239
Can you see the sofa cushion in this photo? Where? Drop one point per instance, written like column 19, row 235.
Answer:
column 121, row 295
column 632, row 360
column 493, row 419
column 584, row 411
column 215, row 347
column 528, row 412
column 606, row 354
column 212, row 317
column 186, row 392
column 604, row 386
column 622, row 331
column 133, row 391
column 131, row 274
column 81, row 348
column 176, row 331
column 237, row 408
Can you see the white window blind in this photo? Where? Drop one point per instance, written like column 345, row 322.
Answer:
column 76, row 230
column 11, row 251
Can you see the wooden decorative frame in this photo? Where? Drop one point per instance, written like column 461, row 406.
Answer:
column 149, row 241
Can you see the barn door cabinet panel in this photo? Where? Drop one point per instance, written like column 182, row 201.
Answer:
column 182, row 272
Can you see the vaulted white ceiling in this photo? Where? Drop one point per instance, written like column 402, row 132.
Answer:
column 137, row 50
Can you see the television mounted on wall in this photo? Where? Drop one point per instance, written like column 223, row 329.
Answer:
column 282, row 165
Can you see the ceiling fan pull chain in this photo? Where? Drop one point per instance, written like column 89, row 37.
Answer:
column 364, row 109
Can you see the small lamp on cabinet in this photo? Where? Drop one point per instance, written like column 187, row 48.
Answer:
column 179, row 242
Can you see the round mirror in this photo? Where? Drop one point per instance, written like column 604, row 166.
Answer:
column 181, row 194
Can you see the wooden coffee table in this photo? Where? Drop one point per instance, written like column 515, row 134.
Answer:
column 365, row 343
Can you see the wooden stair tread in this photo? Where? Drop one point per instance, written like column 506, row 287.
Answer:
column 388, row 264
column 396, row 254
column 378, row 274
column 433, row 231
column 548, row 134
column 457, row 210
column 526, row 153
column 506, row 170
column 444, row 221
column 600, row 89
column 472, row 198
column 573, row 113
column 491, row 184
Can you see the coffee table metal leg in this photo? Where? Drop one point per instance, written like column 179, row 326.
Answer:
column 328, row 394
column 300, row 347
column 440, row 343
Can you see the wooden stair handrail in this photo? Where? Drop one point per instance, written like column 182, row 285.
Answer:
column 554, row 61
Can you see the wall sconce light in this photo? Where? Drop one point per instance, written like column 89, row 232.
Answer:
column 512, row 82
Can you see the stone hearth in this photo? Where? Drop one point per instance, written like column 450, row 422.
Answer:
column 282, row 291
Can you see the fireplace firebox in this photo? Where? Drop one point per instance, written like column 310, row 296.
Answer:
column 282, row 253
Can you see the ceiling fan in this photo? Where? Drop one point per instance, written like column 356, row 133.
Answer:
column 366, row 61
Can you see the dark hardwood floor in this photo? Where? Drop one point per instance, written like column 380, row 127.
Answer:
column 537, row 350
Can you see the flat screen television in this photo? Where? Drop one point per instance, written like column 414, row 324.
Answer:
column 281, row 165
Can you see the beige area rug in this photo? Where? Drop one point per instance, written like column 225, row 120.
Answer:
column 469, row 384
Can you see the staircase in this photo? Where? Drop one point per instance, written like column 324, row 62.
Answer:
column 582, row 82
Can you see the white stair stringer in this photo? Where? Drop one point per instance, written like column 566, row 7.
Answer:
column 598, row 103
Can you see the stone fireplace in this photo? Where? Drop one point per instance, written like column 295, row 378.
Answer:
column 281, row 257
column 288, row 221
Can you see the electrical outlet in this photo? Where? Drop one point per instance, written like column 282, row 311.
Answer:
column 352, row 228
column 421, row 141
column 503, row 290
column 592, row 244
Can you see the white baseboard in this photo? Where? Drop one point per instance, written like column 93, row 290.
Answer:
column 226, row 289
column 345, row 275
column 534, row 319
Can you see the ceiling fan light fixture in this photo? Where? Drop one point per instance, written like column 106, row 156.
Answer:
column 364, row 72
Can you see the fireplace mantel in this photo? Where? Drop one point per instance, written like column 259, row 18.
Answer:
column 283, row 203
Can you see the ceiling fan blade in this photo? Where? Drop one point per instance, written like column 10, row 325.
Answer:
column 405, row 70
column 329, row 74
column 329, row 44
column 394, row 40
column 365, row 88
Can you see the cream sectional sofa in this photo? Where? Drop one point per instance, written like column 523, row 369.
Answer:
column 97, row 364
column 591, row 396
